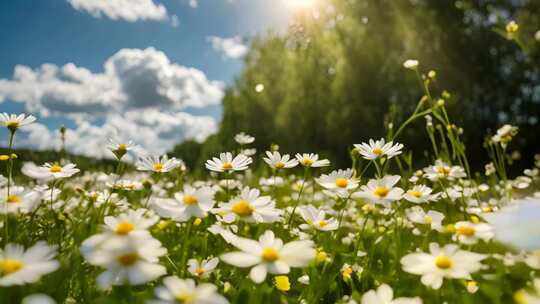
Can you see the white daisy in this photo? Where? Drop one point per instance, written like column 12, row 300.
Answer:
column 269, row 255
column 202, row 269
column 155, row 163
column 410, row 64
column 249, row 206
column 381, row 191
column 50, row 171
column 19, row 200
column 469, row 233
column 226, row 162
column 13, row 122
column 132, row 223
column 420, row 194
column 379, row 148
column 441, row 170
column 243, row 138
column 175, row 290
column 385, row 295
column 128, row 260
column 18, row 267
column 192, row 202
column 338, row 181
column 447, row 262
column 120, row 148
column 432, row 218
column 276, row 161
column 316, row 218
column 505, row 134
column 311, row 160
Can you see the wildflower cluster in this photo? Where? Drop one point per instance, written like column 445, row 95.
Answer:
column 388, row 229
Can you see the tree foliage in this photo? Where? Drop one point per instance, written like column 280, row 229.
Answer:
column 337, row 73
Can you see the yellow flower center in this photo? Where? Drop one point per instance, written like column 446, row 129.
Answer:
column 443, row 262
column 346, row 273
column 269, row 254
column 124, row 228
column 158, row 167
column 128, row 259
column 487, row 209
column 381, row 191
column 122, row 148
column 55, row 168
column 417, row 194
column 342, row 182
column 9, row 266
column 199, row 271
column 227, row 166
column 428, row 219
column 190, row 199
column 12, row 125
column 282, row 283
column 465, row 230
column 184, row 297
column 307, row 162
column 377, row 151
column 279, row 165
column 443, row 170
column 322, row 223
column 13, row 199
column 242, row 208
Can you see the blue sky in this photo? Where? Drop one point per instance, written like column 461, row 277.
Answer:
column 60, row 32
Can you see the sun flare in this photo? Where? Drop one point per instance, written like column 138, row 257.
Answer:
column 299, row 5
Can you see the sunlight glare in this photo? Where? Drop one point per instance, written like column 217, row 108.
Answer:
column 298, row 5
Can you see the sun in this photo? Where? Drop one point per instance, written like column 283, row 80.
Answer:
column 299, row 5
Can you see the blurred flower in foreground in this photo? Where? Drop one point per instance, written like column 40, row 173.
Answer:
column 38, row 298
column 176, row 290
column 269, row 255
column 517, row 224
column 385, row 295
column 18, row 267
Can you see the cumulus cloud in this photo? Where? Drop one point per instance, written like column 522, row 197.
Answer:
column 132, row 78
column 128, row 10
column 140, row 96
column 232, row 47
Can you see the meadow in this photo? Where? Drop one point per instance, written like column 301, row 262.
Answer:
column 272, row 227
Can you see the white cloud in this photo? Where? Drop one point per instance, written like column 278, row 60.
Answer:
column 232, row 47
column 140, row 96
column 128, row 10
column 193, row 3
column 133, row 78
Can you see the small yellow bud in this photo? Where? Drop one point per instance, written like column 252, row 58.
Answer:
column 321, row 257
column 440, row 102
column 475, row 219
column 432, row 74
column 282, row 283
column 512, row 27
column 163, row 224
column 450, row 228
column 13, row 156
column 4, row 157
column 446, row 95
column 197, row 221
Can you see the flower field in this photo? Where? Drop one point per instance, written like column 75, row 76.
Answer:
column 272, row 227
